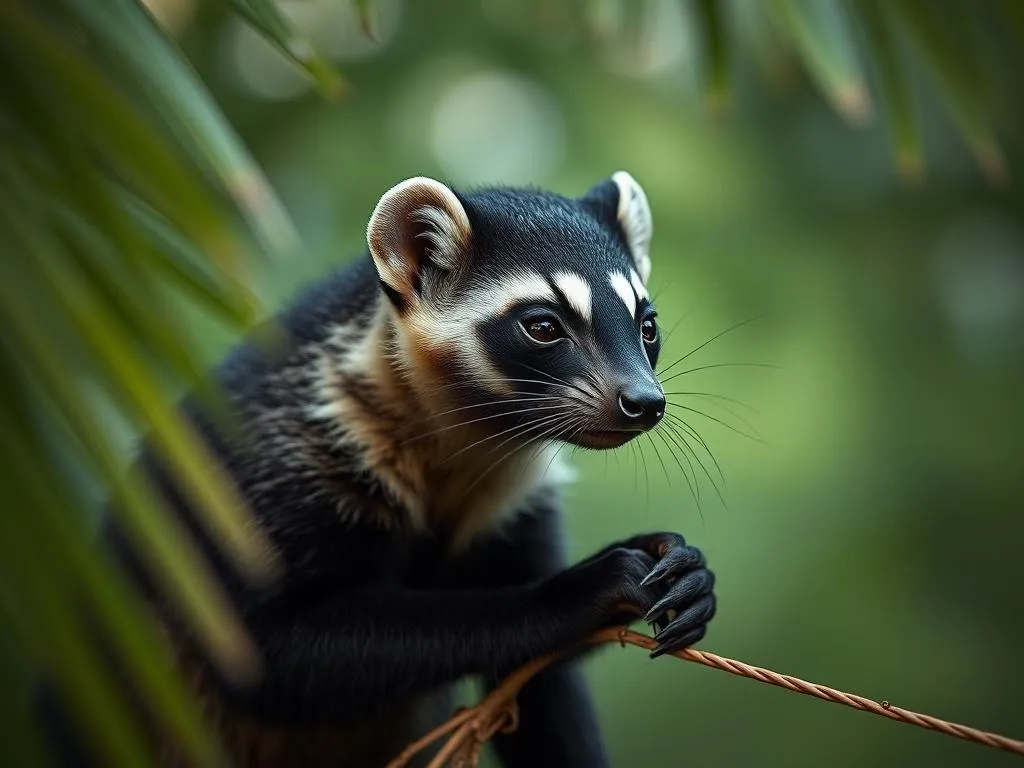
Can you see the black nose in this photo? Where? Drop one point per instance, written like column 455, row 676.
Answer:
column 643, row 405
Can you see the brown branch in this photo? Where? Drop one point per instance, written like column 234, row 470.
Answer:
column 471, row 728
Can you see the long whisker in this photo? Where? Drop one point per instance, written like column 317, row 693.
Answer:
column 549, row 375
column 686, row 477
column 516, row 448
column 719, row 421
column 546, row 421
column 574, row 426
column 713, row 338
column 738, row 416
column 553, row 457
column 547, row 425
column 514, row 428
column 463, row 379
column 711, row 479
column 677, row 374
column 647, row 480
column 592, row 379
column 714, row 396
column 530, row 399
column 689, row 429
column 636, row 465
column 481, row 418
column 661, row 461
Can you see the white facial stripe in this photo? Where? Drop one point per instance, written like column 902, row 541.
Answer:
column 448, row 325
column 487, row 300
column 638, row 284
column 620, row 284
column 517, row 287
column 577, row 292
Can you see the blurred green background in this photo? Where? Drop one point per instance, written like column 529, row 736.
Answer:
column 872, row 542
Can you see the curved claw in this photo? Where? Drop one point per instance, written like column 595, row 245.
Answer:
column 690, row 586
column 682, row 558
column 695, row 616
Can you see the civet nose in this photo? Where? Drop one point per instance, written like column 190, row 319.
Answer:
column 643, row 405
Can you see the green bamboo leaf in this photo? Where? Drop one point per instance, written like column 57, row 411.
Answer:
column 149, row 58
column 41, row 66
column 955, row 70
column 172, row 255
column 46, row 628
column 117, row 610
column 175, row 561
column 113, row 262
column 364, row 11
column 131, row 293
column 716, row 55
column 895, row 88
column 180, row 447
column 163, row 249
column 819, row 32
column 266, row 17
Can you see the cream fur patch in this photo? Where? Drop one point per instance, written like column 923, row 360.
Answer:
column 449, row 476
column 452, row 326
column 638, row 285
column 621, row 286
column 577, row 292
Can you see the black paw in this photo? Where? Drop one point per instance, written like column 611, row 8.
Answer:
column 686, row 586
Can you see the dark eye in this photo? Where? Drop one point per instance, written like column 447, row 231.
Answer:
column 649, row 330
column 543, row 330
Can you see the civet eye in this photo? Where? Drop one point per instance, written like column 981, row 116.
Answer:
column 649, row 330
column 543, row 330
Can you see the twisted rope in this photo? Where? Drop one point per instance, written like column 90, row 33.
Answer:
column 471, row 728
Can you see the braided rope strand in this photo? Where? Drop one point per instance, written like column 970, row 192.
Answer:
column 470, row 728
column 821, row 692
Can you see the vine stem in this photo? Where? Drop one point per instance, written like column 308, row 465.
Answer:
column 470, row 728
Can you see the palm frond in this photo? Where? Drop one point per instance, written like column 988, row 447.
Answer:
column 118, row 177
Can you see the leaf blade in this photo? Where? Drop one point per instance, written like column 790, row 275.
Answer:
column 904, row 130
column 818, row 31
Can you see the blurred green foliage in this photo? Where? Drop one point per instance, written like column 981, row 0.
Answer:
column 121, row 179
column 870, row 543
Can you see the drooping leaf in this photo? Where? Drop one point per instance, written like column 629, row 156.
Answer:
column 716, row 54
column 113, row 607
column 365, row 11
column 819, row 30
column 266, row 17
column 955, row 70
column 100, row 333
column 46, row 628
column 36, row 55
column 895, row 87
column 132, row 39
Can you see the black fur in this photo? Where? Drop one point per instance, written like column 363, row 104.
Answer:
column 372, row 614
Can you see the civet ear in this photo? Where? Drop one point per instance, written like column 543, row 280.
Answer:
column 622, row 200
column 418, row 226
